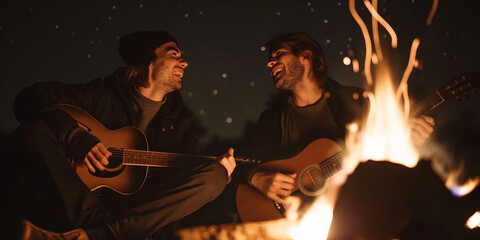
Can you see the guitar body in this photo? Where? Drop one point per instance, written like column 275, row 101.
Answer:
column 120, row 178
column 254, row 206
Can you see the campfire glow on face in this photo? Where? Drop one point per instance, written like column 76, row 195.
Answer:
column 383, row 135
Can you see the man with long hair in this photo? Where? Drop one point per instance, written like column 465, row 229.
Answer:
column 144, row 94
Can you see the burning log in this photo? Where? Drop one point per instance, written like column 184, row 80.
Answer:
column 268, row 230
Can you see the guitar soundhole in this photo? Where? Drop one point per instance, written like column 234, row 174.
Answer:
column 311, row 181
column 114, row 167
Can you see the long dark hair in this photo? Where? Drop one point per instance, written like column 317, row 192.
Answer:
column 298, row 43
column 138, row 75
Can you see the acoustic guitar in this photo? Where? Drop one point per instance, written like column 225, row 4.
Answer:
column 322, row 158
column 128, row 166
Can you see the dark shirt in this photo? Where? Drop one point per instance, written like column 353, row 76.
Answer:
column 147, row 110
column 303, row 125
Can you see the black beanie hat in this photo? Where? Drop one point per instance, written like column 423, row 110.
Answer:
column 136, row 48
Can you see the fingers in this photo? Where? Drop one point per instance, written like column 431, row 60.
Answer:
column 93, row 161
column 97, row 158
column 422, row 128
column 276, row 198
column 279, row 194
column 274, row 185
column 288, row 179
column 231, row 158
column 89, row 166
column 228, row 161
column 104, row 151
column 430, row 120
column 228, row 165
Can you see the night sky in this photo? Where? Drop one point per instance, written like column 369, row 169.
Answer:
column 226, row 83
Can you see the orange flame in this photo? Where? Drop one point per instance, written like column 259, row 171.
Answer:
column 432, row 12
column 373, row 11
column 316, row 221
column 368, row 43
column 474, row 221
column 464, row 189
column 385, row 135
column 376, row 38
column 455, row 185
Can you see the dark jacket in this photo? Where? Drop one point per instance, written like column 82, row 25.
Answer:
column 111, row 102
column 265, row 144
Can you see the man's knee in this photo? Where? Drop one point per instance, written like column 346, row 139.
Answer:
column 36, row 140
column 214, row 178
column 35, row 128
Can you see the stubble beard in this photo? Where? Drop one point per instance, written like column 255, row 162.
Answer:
column 294, row 76
column 168, row 83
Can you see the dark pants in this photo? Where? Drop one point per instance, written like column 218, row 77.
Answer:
column 57, row 199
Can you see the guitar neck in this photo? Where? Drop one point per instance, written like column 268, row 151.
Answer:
column 165, row 159
column 427, row 104
column 332, row 165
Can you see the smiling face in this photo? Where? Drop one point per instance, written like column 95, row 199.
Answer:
column 166, row 70
column 285, row 68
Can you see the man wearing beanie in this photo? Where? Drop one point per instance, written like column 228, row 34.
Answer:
column 56, row 204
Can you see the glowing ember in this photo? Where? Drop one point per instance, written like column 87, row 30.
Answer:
column 474, row 221
column 355, row 65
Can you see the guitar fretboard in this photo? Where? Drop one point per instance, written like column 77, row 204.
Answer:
column 332, row 165
column 160, row 159
column 166, row 159
column 427, row 104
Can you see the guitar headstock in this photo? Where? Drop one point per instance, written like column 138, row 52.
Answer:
column 462, row 86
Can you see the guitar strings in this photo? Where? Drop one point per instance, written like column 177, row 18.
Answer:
column 326, row 169
column 162, row 156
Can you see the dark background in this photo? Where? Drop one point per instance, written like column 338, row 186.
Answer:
column 223, row 41
column 227, row 84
